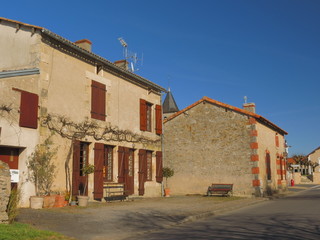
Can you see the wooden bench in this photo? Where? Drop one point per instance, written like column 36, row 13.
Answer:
column 220, row 188
column 114, row 191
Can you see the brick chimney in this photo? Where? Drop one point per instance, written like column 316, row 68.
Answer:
column 122, row 64
column 85, row 44
column 250, row 107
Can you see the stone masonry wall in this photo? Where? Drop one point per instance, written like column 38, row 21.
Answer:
column 208, row 144
column 5, row 189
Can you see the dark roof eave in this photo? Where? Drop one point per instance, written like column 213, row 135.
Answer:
column 102, row 60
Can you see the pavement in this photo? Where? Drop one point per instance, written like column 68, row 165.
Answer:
column 137, row 216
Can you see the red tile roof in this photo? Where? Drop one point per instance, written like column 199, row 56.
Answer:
column 239, row 110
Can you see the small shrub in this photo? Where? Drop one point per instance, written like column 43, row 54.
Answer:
column 12, row 207
column 167, row 173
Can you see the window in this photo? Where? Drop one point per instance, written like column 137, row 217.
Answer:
column 149, row 166
column 277, row 140
column 145, row 115
column 83, row 156
column 98, row 101
column 131, row 163
column 268, row 166
column 281, row 168
column 108, row 164
column 28, row 109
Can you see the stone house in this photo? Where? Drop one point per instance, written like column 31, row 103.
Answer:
column 100, row 113
column 314, row 159
column 213, row 142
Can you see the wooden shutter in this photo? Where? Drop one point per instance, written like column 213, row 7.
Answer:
column 158, row 119
column 142, row 170
column 29, row 110
column 76, row 167
column 98, row 170
column 121, row 164
column 98, row 101
column 143, row 115
column 159, row 176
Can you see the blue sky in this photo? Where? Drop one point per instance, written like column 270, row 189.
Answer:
column 265, row 50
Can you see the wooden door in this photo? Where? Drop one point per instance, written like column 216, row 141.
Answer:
column 80, row 158
column 142, row 170
column 98, row 171
column 129, row 171
column 126, row 169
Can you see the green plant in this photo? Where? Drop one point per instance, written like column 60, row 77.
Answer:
column 12, row 207
column 41, row 168
column 167, row 173
column 20, row 231
column 86, row 170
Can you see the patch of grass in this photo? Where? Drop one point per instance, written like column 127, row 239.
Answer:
column 19, row 231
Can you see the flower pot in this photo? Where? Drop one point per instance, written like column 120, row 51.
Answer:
column 167, row 192
column 59, row 201
column 36, row 202
column 48, row 201
column 83, row 201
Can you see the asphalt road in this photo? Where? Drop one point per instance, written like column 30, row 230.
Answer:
column 294, row 217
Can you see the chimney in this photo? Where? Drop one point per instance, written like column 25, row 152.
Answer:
column 250, row 107
column 122, row 64
column 85, row 44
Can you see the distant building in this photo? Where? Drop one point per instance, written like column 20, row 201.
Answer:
column 213, row 142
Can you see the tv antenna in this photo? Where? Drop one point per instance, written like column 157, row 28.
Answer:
column 130, row 57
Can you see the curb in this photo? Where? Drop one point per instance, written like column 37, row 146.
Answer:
column 218, row 212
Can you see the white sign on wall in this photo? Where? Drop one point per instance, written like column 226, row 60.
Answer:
column 14, row 175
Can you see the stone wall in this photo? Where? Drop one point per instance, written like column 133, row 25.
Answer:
column 5, row 189
column 208, row 144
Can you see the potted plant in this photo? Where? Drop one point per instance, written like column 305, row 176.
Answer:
column 41, row 172
column 86, row 170
column 167, row 173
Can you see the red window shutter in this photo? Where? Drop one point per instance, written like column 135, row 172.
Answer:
column 29, row 110
column 159, row 175
column 143, row 115
column 98, row 170
column 98, row 101
column 76, row 167
column 121, row 164
column 142, row 170
column 158, row 119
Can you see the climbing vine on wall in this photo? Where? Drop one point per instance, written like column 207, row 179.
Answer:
column 88, row 128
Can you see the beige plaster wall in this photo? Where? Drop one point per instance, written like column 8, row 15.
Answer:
column 206, row 145
column 19, row 48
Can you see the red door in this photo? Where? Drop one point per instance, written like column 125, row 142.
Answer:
column 11, row 157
